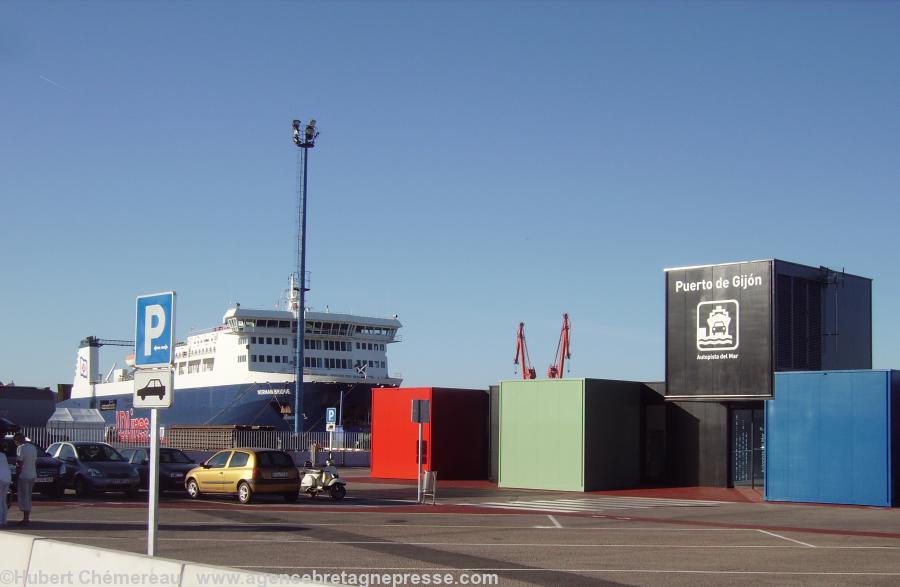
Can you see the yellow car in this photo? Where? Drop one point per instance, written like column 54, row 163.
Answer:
column 245, row 472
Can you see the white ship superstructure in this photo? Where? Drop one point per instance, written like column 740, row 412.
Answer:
column 338, row 348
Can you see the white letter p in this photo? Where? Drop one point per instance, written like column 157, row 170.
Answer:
column 152, row 331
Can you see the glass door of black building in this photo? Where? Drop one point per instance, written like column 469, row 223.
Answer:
column 748, row 447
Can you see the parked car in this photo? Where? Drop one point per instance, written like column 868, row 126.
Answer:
column 51, row 472
column 95, row 467
column 246, row 472
column 173, row 464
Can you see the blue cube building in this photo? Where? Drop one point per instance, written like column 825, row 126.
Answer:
column 834, row 437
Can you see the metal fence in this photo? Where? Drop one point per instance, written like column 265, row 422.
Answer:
column 44, row 437
column 203, row 438
column 286, row 440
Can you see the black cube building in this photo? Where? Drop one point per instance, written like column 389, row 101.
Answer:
column 729, row 327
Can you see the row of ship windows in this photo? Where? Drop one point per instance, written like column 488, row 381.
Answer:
column 194, row 351
column 337, row 345
column 316, row 362
column 326, row 363
column 263, row 340
column 341, row 329
column 241, row 324
column 196, row 366
column 328, row 345
column 312, row 362
column 334, row 328
column 320, row 362
column 318, row 345
column 376, row 346
column 265, row 359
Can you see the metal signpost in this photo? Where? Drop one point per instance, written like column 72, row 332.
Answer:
column 154, row 388
column 330, row 421
column 420, row 416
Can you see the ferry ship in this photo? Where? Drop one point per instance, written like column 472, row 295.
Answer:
column 242, row 372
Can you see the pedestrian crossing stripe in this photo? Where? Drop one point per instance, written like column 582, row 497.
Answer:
column 594, row 504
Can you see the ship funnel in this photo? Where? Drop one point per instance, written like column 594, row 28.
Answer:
column 87, row 365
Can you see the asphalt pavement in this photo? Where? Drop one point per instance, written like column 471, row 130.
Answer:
column 479, row 534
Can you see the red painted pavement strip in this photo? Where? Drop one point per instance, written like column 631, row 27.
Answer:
column 473, row 509
column 212, row 505
column 736, row 495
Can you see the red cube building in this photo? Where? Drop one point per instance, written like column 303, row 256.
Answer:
column 456, row 438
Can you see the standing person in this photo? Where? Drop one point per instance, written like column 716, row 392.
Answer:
column 27, row 454
column 5, row 480
column 313, row 453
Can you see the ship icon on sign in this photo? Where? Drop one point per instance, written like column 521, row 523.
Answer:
column 717, row 325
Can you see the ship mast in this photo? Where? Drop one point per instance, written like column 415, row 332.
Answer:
column 304, row 141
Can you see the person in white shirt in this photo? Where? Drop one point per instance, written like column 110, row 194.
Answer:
column 5, row 480
column 27, row 454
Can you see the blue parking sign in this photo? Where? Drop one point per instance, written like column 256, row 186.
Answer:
column 154, row 333
column 330, row 415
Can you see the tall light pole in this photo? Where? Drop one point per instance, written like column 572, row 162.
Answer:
column 304, row 140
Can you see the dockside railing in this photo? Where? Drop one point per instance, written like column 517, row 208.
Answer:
column 204, row 438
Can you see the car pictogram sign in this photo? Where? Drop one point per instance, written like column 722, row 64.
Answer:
column 153, row 388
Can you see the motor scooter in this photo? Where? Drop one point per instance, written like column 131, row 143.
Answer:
column 326, row 480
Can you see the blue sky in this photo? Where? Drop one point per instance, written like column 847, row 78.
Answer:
column 480, row 164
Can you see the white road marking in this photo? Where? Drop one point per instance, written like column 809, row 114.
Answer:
column 593, row 504
column 555, row 521
column 785, row 538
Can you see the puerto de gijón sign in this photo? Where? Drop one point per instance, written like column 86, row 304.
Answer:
column 719, row 331
column 154, row 332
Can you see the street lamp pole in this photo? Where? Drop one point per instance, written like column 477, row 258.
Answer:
column 304, row 140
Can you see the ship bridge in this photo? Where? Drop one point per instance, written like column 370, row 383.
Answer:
column 337, row 347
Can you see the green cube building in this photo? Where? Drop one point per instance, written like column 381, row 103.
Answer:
column 570, row 434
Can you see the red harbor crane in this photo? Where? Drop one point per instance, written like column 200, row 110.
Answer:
column 555, row 370
column 528, row 371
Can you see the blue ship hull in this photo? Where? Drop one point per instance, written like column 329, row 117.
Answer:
column 259, row 404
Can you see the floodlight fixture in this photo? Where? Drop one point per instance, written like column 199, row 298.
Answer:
column 310, row 133
column 296, row 125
